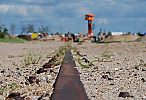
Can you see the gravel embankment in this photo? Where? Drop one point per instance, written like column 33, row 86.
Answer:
column 19, row 65
column 118, row 73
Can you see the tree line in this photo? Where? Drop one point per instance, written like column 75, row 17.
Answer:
column 29, row 28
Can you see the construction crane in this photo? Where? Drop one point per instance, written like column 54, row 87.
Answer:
column 89, row 18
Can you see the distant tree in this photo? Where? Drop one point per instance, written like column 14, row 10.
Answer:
column 109, row 34
column 99, row 34
column 128, row 33
column 104, row 33
column 140, row 34
column 44, row 29
column 24, row 29
column 30, row 28
column 12, row 28
column 3, row 31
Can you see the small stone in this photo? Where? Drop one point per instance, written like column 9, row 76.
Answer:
column 17, row 68
column 32, row 79
column 86, row 60
column 93, row 96
column 41, row 70
column 144, row 69
column 110, row 79
column 37, row 81
column 135, row 75
column 105, row 76
column 47, row 66
column 27, row 98
column 1, row 97
column 35, row 97
column 49, row 77
column 8, row 76
column 108, row 73
column 144, row 96
column 124, row 94
column 19, row 73
column 143, row 80
column 136, row 67
column 111, row 84
column 46, row 98
column 118, row 63
column 116, row 69
column 14, row 96
column 3, row 71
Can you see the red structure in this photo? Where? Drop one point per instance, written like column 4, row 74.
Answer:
column 90, row 18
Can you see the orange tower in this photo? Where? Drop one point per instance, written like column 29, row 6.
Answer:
column 90, row 18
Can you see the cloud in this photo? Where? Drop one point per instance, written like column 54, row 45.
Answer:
column 102, row 21
column 21, row 10
column 70, row 13
column 4, row 8
column 11, row 9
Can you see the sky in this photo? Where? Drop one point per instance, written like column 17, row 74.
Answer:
column 68, row 15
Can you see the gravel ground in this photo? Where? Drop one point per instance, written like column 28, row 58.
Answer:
column 18, row 66
column 118, row 70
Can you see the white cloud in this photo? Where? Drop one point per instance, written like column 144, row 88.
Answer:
column 21, row 10
column 112, row 2
column 13, row 9
column 59, row 12
column 82, row 11
column 38, row 10
column 4, row 8
column 102, row 21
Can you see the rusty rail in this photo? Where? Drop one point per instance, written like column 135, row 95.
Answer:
column 68, row 85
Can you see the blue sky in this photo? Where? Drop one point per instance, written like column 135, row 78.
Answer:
column 68, row 15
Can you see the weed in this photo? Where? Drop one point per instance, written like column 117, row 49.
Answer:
column 31, row 59
column 13, row 86
column 80, row 43
column 8, row 87
column 2, row 90
column 74, row 49
column 10, row 56
column 81, row 64
column 140, row 66
column 58, row 54
column 105, row 57
column 144, row 64
column 15, row 64
column 57, row 63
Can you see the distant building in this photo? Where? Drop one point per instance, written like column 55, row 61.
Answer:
column 118, row 33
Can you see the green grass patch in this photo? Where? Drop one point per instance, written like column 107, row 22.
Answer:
column 31, row 59
column 12, row 40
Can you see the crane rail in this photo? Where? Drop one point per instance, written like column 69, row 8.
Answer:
column 68, row 85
